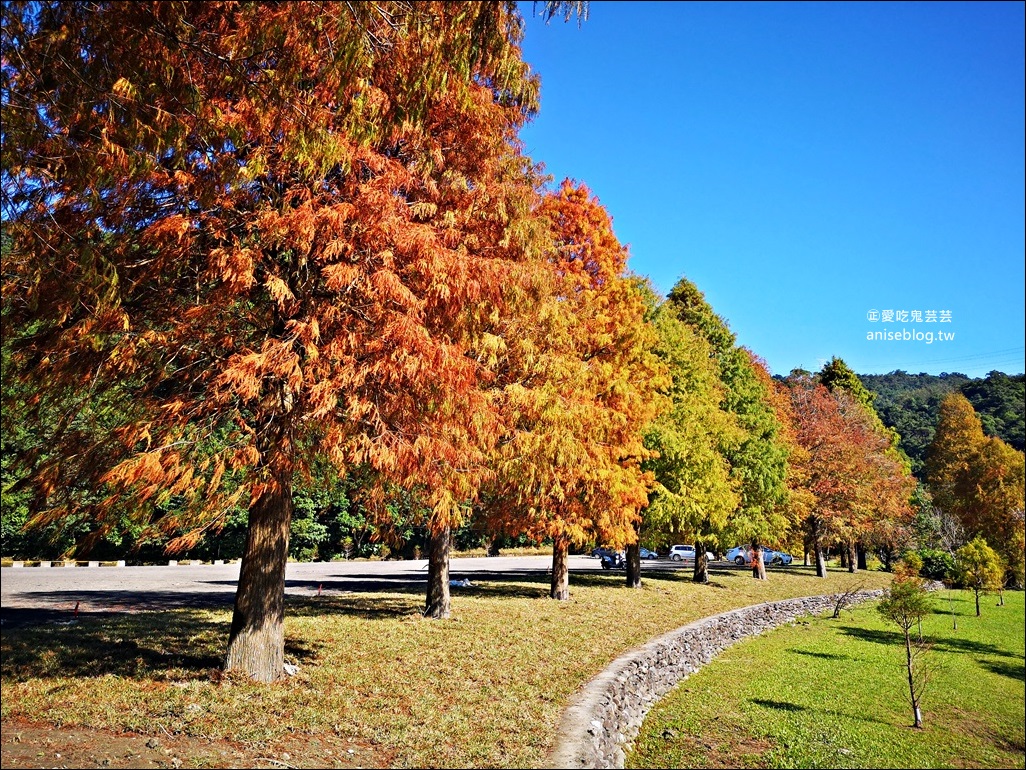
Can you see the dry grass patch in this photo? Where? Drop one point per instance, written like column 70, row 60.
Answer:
column 485, row 688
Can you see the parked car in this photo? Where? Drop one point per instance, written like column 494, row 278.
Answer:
column 647, row 554
column 742, row 555
column 780, row 558
column 613, row 560
column 682, row 553
column 687, row 553
column 601, row 551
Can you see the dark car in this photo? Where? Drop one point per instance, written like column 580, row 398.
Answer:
column 614, row 560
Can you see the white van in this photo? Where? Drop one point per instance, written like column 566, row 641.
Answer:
column 687, row 553
column 682, row 553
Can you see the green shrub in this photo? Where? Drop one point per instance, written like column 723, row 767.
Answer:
column 937, row 565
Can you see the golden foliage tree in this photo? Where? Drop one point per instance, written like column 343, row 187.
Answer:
column 695, row 494
column 980, row 480
column 579, row 389
column 758, row 462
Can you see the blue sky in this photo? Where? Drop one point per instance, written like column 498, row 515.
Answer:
column 806, row 164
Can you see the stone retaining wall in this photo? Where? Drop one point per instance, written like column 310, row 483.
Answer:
column 602, row 722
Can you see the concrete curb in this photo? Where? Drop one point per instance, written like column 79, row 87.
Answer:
column 598, row 727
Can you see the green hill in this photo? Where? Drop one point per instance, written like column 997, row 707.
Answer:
column 909, row 403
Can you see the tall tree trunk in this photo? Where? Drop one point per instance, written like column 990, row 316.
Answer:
column 977, row 592
column 814, row 543
column 917, row 715
column 852, row 557
column 560, row 589
column 256, row 642
column 861, row 554
column 843, row 554
column 821, row 570
column 438, row 604
column 701, row 574
column 493, row 545
column 758, row 562
column 634, row 565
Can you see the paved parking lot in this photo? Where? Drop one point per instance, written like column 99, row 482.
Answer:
column 34, row 594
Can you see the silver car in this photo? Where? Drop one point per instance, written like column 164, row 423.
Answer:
column 742, row 555
column 686, row 553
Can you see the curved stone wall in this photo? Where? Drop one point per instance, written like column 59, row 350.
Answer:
column 607, row 715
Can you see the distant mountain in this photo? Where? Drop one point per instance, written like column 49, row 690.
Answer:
column 909, row 404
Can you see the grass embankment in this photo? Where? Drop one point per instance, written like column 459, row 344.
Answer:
column 485, row 688
column 831, row 693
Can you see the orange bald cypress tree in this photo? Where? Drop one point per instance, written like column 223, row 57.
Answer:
column 580, row 388
column 280, row 231
column 855, row 487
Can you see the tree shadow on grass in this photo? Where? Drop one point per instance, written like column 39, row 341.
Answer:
column 943, row 644
column 348, row 595
column 779, row 705
column 795, row 708
column 140, row 646
column 512, row 583
column 1002, row 668
column 365, row 607
column 103, row 602
column 155, row 646
column 824, row 655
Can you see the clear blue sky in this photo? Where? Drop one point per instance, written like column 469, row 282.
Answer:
column 805, row 164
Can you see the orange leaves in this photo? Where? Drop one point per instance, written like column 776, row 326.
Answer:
column 279, row 291
column 846, row 467
column 246, row 373
column 390, row 289
column 234, row 268
column 338, row 247
column 313, row 222
column 243, row 376
column 582, row 385
column 160, row 473
column 340, row 276
column 168, row 230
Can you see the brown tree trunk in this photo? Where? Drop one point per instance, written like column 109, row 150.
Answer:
column 493, row 546
column 758, row 562
column 701, row 574
column 917, row 715
column 256, row 642
column 560, row 589
column 852, row 557
column 861, row 554
column 634, row 565
column 814, row 544
column 438, row 604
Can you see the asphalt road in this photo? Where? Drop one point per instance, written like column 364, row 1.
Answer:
column 30, row 595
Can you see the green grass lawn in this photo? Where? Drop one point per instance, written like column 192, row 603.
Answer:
column 486, row 688
column 831, row 693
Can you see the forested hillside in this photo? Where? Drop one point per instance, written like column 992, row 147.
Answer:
column 909, row 403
